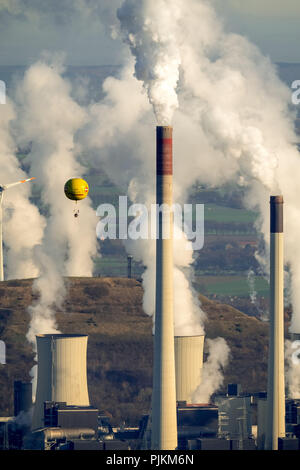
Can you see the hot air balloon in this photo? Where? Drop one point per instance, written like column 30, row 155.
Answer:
column 76, row 189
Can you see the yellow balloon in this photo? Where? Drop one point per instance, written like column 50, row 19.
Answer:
column 76, row 189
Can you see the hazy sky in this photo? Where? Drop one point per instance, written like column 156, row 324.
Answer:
column 81, row 27
column 273, row 25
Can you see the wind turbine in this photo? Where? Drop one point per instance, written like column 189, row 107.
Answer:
column 4, row 187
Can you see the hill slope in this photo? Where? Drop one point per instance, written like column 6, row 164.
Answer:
column 109, row 311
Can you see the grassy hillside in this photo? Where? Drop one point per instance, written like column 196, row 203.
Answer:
column 110, row 311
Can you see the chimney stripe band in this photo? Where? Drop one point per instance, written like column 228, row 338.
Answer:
column 276, row 211
column 164, row 159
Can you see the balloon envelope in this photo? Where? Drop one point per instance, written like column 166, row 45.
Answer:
column 76, row 189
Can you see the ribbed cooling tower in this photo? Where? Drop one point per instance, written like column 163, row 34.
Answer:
column 164, row 418
column 61, row 372
column 276, row 393
column 188, row 365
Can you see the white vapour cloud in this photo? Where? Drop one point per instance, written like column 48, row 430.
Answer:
column 232, row 94
column 292, row 368
column 150, row 30
column 49, row 119
column 22, row 224
column 212, row 372
column 225, row 128
column 232, row 120
column 251, row 284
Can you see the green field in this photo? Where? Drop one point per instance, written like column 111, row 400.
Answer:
column 215, row 213
column 219, row 285
column 230, row 285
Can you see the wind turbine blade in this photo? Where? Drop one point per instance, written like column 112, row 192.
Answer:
column 6, row 186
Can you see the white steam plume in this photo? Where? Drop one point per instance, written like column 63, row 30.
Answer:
column 233, row 122
column 292, row 369
column 49, row 119
column 22, row 224
column 150, row 30
column 263, row 315
column 229, row 95
column 251, row 284
column 212, row 372
column 232, row 94
column 188, row 316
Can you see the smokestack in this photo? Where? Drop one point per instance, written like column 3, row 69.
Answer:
column 129, row 266
column 61, row 372
column 188, row 365
column 276, row 394
column 164, row 418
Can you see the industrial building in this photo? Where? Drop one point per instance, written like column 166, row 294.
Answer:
column 227, row 424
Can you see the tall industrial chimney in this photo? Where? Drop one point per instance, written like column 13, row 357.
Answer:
column 129, row 266
column 164, row 417
column 188, row 365
column 61, row 372
column 276, row 393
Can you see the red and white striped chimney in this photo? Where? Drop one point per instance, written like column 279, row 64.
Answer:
column 164, row 418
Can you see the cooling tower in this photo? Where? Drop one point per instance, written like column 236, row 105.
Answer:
column 61, row 372
column 164, row 413
column 276, row 393
column 188, row 365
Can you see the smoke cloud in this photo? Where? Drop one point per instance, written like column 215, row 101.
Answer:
column 231, row 118
column 22, row 224
column 224, row 95
column 212, row 372
column 49, row 118
column 251, row 284
column 150, row 31
column 228, row 95
column 292, row 368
